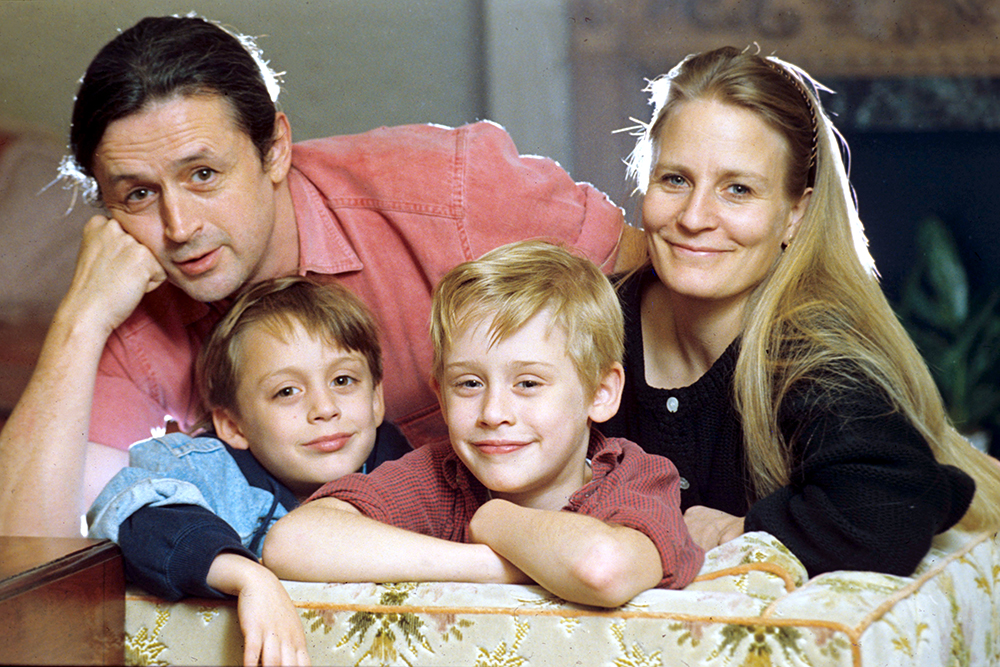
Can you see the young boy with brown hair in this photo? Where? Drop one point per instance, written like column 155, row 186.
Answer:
column 527, row 356
column 291, row 379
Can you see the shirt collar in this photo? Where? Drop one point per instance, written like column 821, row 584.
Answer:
column 323, row 248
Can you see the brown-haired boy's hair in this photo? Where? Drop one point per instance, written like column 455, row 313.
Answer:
column 329, row 312
column 510, row 285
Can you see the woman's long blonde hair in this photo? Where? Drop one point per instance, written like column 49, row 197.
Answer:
column 820, row 314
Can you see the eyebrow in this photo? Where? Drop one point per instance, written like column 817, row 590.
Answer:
column 516, row 364
column 345, row 361
column 198, row 156
column 725, row 173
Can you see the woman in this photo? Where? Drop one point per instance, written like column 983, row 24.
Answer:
column 762, row 356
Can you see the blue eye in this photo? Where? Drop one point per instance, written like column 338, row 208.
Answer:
column 673, row 180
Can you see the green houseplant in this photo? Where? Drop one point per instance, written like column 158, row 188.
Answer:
column 958, row 335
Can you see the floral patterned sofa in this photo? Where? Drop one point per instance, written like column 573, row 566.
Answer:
column 752, row 604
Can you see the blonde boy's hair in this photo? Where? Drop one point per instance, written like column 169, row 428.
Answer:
column 329, row 312
column 510, row 285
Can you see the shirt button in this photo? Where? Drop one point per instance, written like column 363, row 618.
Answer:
column 685, row 485
column 673, row 404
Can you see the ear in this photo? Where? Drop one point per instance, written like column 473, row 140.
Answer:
column 378, row 403
column 436, row 388
column 228, row 429
column 608, row 395
column 796, row 214
column 279, row 158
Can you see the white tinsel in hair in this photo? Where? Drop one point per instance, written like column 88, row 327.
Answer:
column 73, row 178
column 271, row 78
column 639, row 164
column 842, row 166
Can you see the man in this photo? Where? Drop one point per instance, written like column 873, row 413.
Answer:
column 175, row 124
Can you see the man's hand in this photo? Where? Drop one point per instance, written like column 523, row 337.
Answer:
column 709, row 528
column 272, row 630
column 113, row 272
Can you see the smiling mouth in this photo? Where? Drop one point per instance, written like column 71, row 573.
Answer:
column 689, row 250
column 327, row 445
column 498, row 447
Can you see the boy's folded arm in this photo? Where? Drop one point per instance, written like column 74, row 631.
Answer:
column 330, row 540
column 579, row 558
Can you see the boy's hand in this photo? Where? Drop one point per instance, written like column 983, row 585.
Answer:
column 709, row 527
column 272, row 630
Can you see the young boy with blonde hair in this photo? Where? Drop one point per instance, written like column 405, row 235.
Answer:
column 527, row 356
column 291, row 379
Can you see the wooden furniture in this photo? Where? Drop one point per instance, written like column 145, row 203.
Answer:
column 62, row 601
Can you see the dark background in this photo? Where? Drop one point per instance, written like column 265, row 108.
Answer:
column 901, row 177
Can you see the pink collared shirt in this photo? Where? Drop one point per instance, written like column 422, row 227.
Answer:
column 387, row 213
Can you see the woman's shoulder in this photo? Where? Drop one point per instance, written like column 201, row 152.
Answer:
column 839, row 389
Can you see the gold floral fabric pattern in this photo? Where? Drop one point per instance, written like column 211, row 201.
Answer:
column 752, row 604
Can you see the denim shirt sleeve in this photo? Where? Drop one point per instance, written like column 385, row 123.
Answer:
column 177, row 469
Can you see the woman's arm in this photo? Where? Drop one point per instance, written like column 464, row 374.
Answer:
column 865, row 493
column 633, row 251
column 711, row 527
column 577, row 557
column 329, row 540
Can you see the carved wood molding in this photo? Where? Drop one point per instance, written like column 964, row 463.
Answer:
column 839, row 38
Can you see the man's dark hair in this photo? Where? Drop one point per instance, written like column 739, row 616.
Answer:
column 160, row 57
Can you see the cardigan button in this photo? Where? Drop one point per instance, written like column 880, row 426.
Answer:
column 673, row 404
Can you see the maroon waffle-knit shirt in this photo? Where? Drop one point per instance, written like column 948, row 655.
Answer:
column 430, row 491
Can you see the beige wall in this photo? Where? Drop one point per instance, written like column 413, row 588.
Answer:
column 350, row 65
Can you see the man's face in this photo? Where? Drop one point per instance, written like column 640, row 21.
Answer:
column 187, row 183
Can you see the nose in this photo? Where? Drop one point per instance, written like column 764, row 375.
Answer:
column 180, row 222
column 495, row 409
column 323, row 406
column 698, row 212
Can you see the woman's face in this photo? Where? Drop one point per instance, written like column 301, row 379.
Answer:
column 716, row 212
